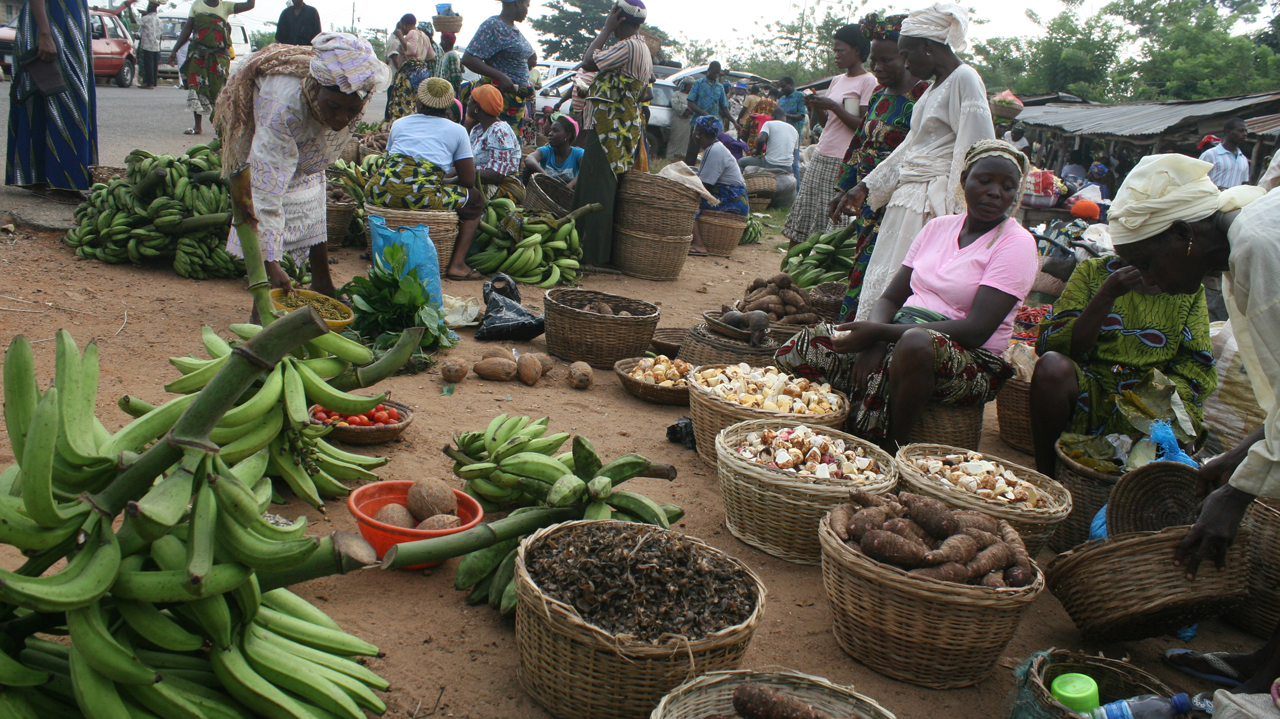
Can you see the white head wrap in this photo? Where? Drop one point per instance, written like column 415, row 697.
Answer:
column 947, row 23
column 1161, row 190
column 348, row 62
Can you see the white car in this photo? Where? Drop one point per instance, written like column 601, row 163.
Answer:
column 660, row 115
column 171, row 28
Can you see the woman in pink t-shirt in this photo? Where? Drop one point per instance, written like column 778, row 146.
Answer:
column 938, row 332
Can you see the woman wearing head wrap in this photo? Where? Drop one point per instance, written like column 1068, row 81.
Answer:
column 413, row 63
column 284, row 118
column 919, row 180
column 1171, row 223
column 885, row 126
column 558, row 159
column 449, row 62
column 839, row 112
column 499, row 54
column 209, row 55
column 938, row 332
column 719, row 173
column 753, row 119
column 496, row 147
column 430, row 166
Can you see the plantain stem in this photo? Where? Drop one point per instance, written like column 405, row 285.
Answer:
column 339, row 553
column 387, row 365
column 438, row 549
column 246, row 224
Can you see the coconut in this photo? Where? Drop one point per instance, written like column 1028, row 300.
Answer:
column 440, row 521
column 429, row 497
column 397, row 515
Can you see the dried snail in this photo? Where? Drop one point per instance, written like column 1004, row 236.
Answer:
column 990, row 480
column 813, row 456
column 769, row 389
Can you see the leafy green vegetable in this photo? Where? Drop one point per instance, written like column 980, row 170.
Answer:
column 391, row 300
column 1156, row 398
column 1092, row 452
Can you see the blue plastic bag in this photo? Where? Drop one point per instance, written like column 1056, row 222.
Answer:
column 1162, row 435
column 419, row 250
column 1098, row 527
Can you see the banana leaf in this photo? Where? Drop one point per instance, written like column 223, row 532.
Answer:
column 1143, row 452
column 1156, row 398
column 1093, row 452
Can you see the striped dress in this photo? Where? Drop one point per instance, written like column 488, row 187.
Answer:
column 54, row 140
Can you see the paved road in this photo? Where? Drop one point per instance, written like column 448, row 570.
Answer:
column 150, row 119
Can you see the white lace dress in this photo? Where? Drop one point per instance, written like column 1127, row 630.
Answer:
column 921, row 179
column 287, row 161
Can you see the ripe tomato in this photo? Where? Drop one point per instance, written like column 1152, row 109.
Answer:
column 394, row 414
column 320, row 415
column 379, row 408
column 380, row 417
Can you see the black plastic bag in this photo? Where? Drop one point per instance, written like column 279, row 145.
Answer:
column 682, row 432
column 502, row 285
column 506, row 319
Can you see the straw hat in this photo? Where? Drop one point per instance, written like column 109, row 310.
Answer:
column 435, row 92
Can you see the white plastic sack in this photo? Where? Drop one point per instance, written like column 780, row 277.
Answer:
column 1230, row 413
column 682, row 173
column 1023, row 358
column 1243, row 706
column 461, row 312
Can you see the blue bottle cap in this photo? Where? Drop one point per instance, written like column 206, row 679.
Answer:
column 1181, row 704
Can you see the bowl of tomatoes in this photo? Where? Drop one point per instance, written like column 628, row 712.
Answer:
column 381, row 424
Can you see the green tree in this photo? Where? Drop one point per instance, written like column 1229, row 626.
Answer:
column 1079, row 56
column 376, row 37
column 262, row 38
column 570, row 26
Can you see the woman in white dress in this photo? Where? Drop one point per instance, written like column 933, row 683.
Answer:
column 920, row 180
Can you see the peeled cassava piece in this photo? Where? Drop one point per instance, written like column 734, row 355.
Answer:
column 529, row 369
column 429, row 497
column 580, row 374
column 498, row 369
column 397, row 516
column 440, row 521
column 454, row 371
column 757, row 701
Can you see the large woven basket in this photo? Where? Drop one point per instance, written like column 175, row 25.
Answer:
column 950, row 425
column 649, row 257
column 351, row 151
column 763, row 184
column 1013, row 407
column 721, row 231
column 648, row 392
column 577, row 671
column 338, row 220
column 711, row 414
column 443, row 227
column 703, row 347
column 776, row 511
column 926, row 632
column 827, row 298
column 1035, row 525
column 712, row 694
column 1260, row 614
column 779, row 331
column 759, row 204
column 1117, row 680
column 446, row 23
column 1153, row 497
column 547, row 194
column 655, row 205
column 577, row 335
column 1090, row 490
column 668, row 340
column 1126, row 587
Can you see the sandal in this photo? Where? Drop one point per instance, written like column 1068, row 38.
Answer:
column 696, row 253
column 469, row 277
column 1227, row 676
column 192, row 131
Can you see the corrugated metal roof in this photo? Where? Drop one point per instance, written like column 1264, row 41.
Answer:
column 1265, row 125
column 1138, row 119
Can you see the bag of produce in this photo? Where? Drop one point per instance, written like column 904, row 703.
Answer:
column 419, row 250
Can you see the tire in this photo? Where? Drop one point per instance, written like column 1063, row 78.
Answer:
column 124, row 78
column 657, row 148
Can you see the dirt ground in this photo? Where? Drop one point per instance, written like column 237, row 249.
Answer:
column 442, row 657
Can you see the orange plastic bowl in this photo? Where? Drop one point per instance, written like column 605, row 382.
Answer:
column 367, row 500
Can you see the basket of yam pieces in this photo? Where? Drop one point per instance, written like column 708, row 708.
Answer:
column 784, row 304
column 660, row 379
column 724, row 395
column 923, row 593
column 779, row 479
column 1034, row 504
column 746, row 694
column 597, row 327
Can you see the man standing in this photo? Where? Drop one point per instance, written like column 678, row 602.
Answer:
column 1018, row 138
column 1230, row 164
column 298, row 25
column 149, row 45
column 792, row 102
column 706, row 97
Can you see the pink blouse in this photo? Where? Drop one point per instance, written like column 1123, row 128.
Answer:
column 945, row 277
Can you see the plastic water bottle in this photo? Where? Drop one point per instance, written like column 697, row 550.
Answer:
column 1147, row 706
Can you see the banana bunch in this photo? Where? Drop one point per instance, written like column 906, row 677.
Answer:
column 182, row 611
column 354, row 177
column 822, row 258
column 168, row 207
column 754, row 231
column 535, row 249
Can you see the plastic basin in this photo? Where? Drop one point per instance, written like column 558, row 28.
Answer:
column 367, row 500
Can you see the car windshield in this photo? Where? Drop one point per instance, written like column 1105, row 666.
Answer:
column 171, row 28
column 662, row 95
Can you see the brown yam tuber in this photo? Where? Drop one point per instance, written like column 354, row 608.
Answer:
column 773, row 317
column 502, row 352
column 893, row 549
column 773, row 288
column 936, row 518
column 454, row 371
column 866, row 520
column 757, row 701
column 788, row 310
column 997, row 557
column 841, row 516
column 985, row 539
column 957, row 548
column 790, row 297
column 760, row 305
column 803, row 293
column 808, row 318
column 782, row 280
column 951, row 572
column 995, row 580
column 863, row 498
column 755, row 295
column 909, row 529
column 580, row 375
column 529, row 369
column 776, row 308
column 977, row 520
column 1021, row 558
column 601, row 308
column 498, row 369
column 757, row 283
column 1016, row 576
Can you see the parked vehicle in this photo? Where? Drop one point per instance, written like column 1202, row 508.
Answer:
column 7, row 34
column 171, row 28
column 660, row 114
column 114, row 56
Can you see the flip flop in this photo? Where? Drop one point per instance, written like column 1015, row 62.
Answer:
column 471, row 277
column 695, row 253
column 192, row 131
column 1228, row 677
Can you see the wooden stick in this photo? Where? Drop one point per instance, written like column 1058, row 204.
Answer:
column 34, row 312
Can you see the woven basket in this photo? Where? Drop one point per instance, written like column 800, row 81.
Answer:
column 1090, row 490
column 712, row 694
column 827, row 298
column 1117, row 680
column 704, row 347
column 576, row 671
column 338, row 220
column 105, row 173
column 763, row 184
column 711, row 414
column 926, row 632
column 655, row 205
column 668, row 340
column 950, row 425
column 547, row 194
column 443, row 227
column 724, row 330
column 351, row 151
column 1004, row 110
column 446, row 23
column 1013, row 408
column 721, row 231
column 1035, row 525
column 649, row 257
column 1153, row 497
column 1260, row 614
column 599, row 340
column 1126, row 587
column 759, row 204
column 778, row 512
column 372, row 435
column 649, row 392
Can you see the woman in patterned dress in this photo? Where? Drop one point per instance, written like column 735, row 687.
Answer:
column 499, row 54
column 413, row 62
column 496, row 147
column 209, row 56
column 1108, row 330
column 884, row 128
